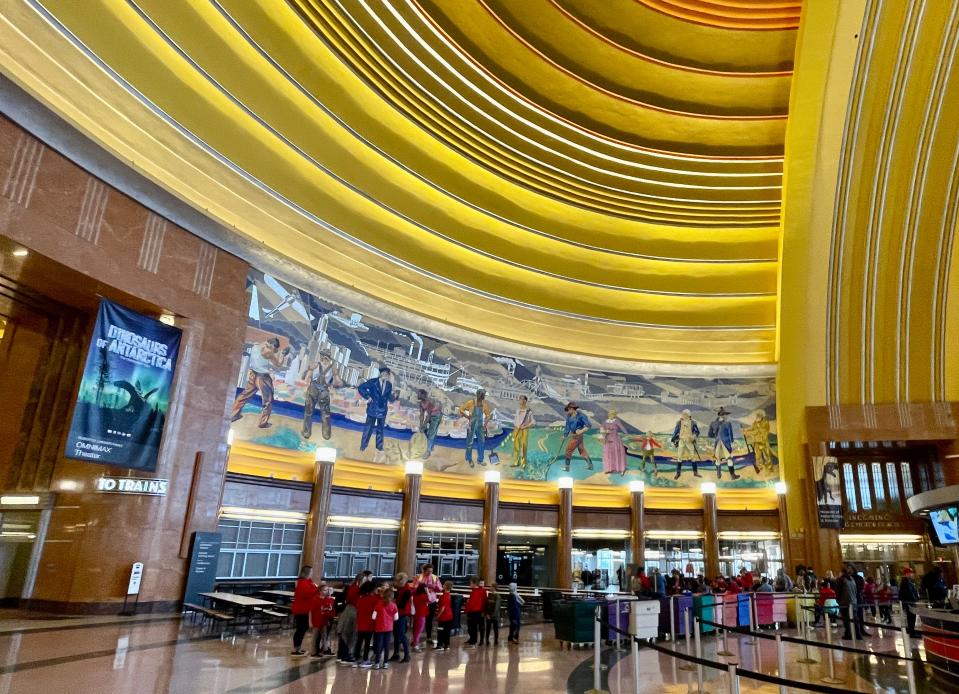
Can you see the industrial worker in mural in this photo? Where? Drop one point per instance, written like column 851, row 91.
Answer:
column 265, row 358
column 378, row 393
column 684, row 438
column 721, row 431
column 321, row 376
column 757, row 436
column 431, row 416
column 522, row 423
column 478, row 413
column 577, row 424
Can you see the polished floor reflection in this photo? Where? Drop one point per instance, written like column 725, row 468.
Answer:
column 159, row 654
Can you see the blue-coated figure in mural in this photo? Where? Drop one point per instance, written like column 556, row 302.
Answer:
column 478, row 413
column 721, row 430
column 378, row 393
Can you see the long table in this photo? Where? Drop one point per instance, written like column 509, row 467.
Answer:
column 242, row 606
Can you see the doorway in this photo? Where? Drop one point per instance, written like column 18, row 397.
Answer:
column 520, row 564
column 18, row 543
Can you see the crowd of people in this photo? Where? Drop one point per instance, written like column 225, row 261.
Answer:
column 390, row 620
column 846, row 597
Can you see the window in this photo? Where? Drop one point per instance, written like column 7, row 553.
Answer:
column 850, row 485
column 350, row 550
column 667, row 555
column 259, row 549
column 892, row 479
column 938, row 474
column 864, row 492
column 452, row 554
column 907, row 480
column 924, row 481
column 877, row 485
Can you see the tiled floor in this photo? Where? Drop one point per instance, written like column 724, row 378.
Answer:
column 151, row 654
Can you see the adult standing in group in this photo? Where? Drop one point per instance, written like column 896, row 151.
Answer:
column 684, row 438
column 478, row 414
column 304, row 593
column 434, row 589
column 577, row 424
column 378, row 393
column 909, row 596
column 848, row 598
column 403, row 586
column 346, row 624
column 522, row 423
column 614, row 452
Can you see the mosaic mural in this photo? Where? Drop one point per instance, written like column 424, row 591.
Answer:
column 315, row 373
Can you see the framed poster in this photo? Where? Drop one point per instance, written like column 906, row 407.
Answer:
column 828, row 491
column 124, row 394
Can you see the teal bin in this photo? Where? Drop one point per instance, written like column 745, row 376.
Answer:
column 704, row 609
column 574, row 620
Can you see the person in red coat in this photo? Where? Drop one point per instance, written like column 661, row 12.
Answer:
column 475, row 604
column 444, row 615
column 403, row 585
column 366, row 604
column 303, row 595
column 384, row 620
column 421, row 609
column 321, row 619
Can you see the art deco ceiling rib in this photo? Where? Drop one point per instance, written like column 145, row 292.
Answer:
column 610, row 172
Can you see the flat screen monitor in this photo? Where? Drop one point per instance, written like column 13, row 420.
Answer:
column 945, row 525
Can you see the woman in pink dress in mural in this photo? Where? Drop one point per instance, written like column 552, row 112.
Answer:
column 614, row 452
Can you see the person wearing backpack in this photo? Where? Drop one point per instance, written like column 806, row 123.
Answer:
column 404, row 606
column 494, row 602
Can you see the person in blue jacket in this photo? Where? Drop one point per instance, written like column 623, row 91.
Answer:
column 378, row 393
column 721, row 431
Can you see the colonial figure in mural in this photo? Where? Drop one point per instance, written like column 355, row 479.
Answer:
column 648, row 445
column 757, row 436
column 577, row 424
column 721, row 430
column 431, row 416
column 614, row 452
column 265, row 358
column 378, row 393
column 478, row 413
column 322, row 376
column 521, row 426
column 684, row 438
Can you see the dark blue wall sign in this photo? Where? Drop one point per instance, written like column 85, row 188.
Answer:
column 125, row 392
column 204, row 555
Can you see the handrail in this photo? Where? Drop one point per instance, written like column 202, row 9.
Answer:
column 732, row 669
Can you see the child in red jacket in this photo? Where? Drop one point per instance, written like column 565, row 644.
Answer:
column 475, row 604
column 444, row 615
column 421, row 609
column 383, row 618
column 321, row 618
column 365, row 607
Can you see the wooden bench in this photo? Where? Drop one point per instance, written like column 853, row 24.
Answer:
column 207, row 613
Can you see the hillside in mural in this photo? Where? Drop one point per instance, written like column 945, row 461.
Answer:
column 311, row 376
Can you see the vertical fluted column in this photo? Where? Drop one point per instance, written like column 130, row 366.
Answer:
column 711, row 530
column 637, row 522
column 488, row 543
column 784, row 528
column 564, row 540
column 406, row 540
column 314, row 540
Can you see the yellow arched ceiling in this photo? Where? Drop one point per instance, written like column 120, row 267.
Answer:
column 601, row 178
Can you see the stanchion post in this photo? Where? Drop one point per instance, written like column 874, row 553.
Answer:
column 781, row 655
column 634, row 646
column 733, row 680
column 672, row 619
column 685, row 665
column 699, row 653
column 803, row 622
column 910, row 668
column 831, row 677
column 751, row 600
column 597, row 650
column 725, row 652
column 853, row 625
column 800, row 616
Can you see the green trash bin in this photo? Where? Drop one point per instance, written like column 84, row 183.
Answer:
column 574, row 620
column 704, row 610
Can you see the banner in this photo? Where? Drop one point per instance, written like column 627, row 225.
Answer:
column 125, row 392
column 828, row 492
